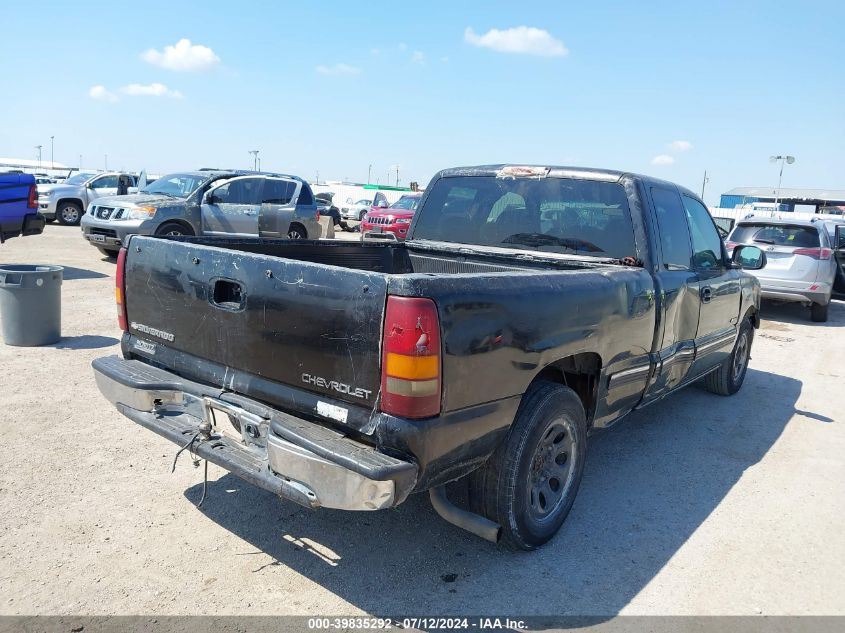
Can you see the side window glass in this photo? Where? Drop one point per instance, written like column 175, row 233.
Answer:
column 706, row 243
column 305, row 196
column 246, row 191
column 278, row 191
column 105, row 182
column 673, row 228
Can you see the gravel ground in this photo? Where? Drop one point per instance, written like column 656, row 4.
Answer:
column 697, row 505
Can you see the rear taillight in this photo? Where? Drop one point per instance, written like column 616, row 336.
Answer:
column 410, row 364
column 32, row 201
column 120, row 289
column 815, row 253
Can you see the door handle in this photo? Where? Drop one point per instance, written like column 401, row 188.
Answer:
column 248, row 212
column 706, row 294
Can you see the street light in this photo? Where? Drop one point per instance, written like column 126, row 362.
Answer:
column 38, row 147
column 51, row 152
column 783, row 159
column 396, row 167
column 254, row 153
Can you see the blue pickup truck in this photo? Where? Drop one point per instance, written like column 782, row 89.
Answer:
column 19, row 206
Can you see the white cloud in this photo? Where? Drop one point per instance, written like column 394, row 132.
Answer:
column 182, row 56
column 339, row 69
column 680, row 146
column 663, row 159
column 101, row 94
column 418, row 57
column 150, row 90
column 525, row 40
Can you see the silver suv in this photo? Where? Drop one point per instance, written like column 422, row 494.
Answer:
column 800, row 262
column 205, row 202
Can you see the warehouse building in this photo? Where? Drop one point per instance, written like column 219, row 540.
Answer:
column 787, row 199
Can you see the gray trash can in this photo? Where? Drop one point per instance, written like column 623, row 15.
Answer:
column 30, row 304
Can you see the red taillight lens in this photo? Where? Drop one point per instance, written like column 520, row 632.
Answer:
column 32, row 201
column 120, row 289
column 815, row 253
column 410, row 363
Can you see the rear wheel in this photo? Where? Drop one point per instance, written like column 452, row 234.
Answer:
column 727, row 380
column 529, row 484
column 818, row 312
column 173, row 229
column 69, row 213
column 297, row 232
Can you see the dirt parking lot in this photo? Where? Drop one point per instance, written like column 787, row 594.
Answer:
column 697, row 505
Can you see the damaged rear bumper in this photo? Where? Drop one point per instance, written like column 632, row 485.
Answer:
column 296, row 459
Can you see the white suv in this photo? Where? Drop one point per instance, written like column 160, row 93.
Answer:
column 800, row 263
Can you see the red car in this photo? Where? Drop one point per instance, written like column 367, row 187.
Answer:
column 394, row 219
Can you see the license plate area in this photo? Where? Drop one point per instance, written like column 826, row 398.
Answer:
column 225, row 419
column 98, row 238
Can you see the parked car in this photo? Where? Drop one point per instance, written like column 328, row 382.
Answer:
column 205, row 202
column 528, row 306
column 392, row 222
column 356, row 210
column 67, row 202
column 18, row 207
column 326, row 208
column 800, row 266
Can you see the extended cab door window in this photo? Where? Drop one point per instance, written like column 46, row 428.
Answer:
column 719, row 288
column 678, row 290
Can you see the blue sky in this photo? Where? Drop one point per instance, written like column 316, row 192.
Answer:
column 664, row 88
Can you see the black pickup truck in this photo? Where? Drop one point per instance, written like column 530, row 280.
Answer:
column 529, row 306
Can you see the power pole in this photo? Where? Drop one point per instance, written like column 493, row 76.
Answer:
column 704, row 183
column 254, row 153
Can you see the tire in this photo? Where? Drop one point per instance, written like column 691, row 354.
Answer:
column 173, row 229
column 529, row 484
column 728, row 379
column 49, row 220
column 69, row 213
column 108, row 252
column 818, row 312
column 297, row 232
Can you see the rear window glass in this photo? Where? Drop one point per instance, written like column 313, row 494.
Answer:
column 776, row 234
column 558, row 215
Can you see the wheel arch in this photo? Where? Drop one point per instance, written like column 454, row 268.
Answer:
column 180, row 221
column 580, row 372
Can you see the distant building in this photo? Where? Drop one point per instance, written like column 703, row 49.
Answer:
column 787, row 198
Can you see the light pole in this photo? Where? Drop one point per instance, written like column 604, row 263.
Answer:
column 396, row 167
column 783, row 159
column 51, row 151
column 369, row 173
column 254, row 153
column 38, row 147
column 704, row 183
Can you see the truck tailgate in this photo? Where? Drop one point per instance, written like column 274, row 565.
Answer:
column 307, row 325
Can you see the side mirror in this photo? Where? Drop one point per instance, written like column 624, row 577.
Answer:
column 90, row 185
column 749, row 257
column 839, row 237
column 210, row 198
column 382, row 204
